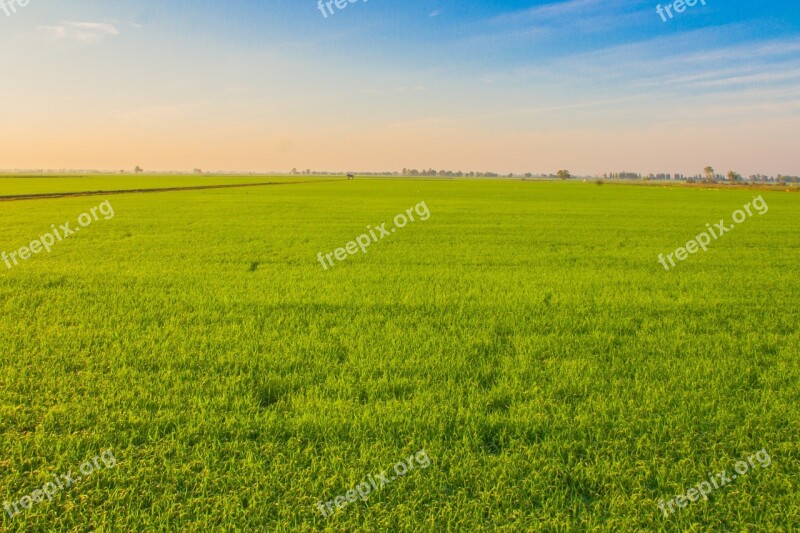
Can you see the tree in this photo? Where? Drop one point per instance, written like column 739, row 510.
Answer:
column 733, row 177
column 709, row 172
column 138, row 169
column 563, row 174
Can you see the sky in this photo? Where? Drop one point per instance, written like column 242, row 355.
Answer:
column 592, row 86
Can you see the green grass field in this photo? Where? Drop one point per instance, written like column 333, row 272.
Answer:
column 22, row 185
column 525, row 336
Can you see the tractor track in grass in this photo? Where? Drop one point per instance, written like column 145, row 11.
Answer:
column 50, row 195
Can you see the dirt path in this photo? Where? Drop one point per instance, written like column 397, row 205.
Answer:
column 43, row 196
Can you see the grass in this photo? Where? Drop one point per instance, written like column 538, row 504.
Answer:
column 22, row 185
column 525, row 336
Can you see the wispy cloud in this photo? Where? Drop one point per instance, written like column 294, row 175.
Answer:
column 585, row 21
column 435, row 13
column 555, row 10
column 569, row 13
column 82, row 32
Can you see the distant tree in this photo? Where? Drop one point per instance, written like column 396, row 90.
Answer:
column 563, row 174
column 198, row 171
column 709, row 172
column 733, row 177
column 138, row 169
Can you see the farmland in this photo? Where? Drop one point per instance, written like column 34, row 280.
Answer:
column 525, row 336
column 17, row 185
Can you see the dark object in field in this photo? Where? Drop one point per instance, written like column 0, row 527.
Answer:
column 351, row 177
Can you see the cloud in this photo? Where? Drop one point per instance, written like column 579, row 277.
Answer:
column 566, row 13
column 82, row 32
column 555, row 10
column 435, row 13
column 586, row 22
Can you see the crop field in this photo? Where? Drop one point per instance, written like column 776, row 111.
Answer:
column 523, row 339
column 25, row 185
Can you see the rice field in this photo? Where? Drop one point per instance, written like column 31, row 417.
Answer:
column 525, row 336
column 18, row 185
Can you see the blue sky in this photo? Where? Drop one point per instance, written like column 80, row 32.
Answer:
column 518, row 86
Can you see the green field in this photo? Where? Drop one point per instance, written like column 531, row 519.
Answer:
column 22, row 185
column 525, row 336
